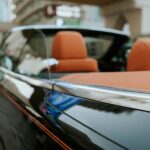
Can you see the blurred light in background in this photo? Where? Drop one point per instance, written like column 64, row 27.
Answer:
column 74, row 14
column 126, row 28
column 27, row 12
column 68, row 11
column 59, row 22
column 6, row 10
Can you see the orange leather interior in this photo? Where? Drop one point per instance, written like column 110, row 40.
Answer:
column 70, row 65
column 70, row 50
column 125, row 80
column 139, row 58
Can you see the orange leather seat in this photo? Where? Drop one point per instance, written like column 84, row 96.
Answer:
column 139, row 58
column 70, row 50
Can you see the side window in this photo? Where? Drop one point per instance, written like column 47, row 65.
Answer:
column 25, row 52
column 14, row 44
column 11, row 49
column 37, row 43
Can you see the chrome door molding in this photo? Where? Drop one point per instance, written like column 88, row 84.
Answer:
column 132, row 99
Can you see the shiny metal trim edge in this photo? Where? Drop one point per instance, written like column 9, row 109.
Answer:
column 130, row 99
column 27, row 79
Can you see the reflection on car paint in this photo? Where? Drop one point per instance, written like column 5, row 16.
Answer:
column 60, row 101
column 57, row 102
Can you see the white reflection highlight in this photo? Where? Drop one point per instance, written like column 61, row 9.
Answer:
column 19, row 88
column 26, row 79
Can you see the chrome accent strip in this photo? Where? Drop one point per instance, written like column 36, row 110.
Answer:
column 131, row 99
column 51, row 27
column 27, row 79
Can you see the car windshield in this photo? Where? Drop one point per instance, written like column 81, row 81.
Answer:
column 29, row 51
column 25, row 52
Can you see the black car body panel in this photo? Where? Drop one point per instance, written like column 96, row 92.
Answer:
column 81, row 122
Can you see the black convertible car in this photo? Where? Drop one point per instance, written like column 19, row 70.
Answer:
column 53, row 96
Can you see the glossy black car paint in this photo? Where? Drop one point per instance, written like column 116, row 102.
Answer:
column 83, row 123
column 107, row 126
column 17, row 130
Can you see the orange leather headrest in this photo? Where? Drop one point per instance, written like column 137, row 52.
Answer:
column 69, row 45
column 139, row 58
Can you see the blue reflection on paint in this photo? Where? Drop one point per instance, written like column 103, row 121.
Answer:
column 60, row 101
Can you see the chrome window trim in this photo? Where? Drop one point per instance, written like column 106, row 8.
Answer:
column 32, row 81
column 51, row 27
column 121, row 97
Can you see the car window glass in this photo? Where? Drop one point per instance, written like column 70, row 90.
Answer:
column 25, row 52
column 13, row 44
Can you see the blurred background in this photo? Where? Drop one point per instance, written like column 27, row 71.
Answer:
column 131, row 16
